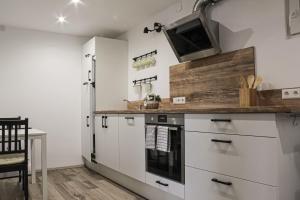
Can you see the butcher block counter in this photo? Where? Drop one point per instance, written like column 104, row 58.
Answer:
column 208, row 110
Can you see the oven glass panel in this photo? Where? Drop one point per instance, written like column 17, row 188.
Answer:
column 166, row 164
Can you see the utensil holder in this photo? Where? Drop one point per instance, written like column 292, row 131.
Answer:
column 248, row 97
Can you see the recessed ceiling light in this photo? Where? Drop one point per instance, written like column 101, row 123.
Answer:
column 61, row 19
column 76, row 2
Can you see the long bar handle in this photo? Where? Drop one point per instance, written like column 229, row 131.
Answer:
column 87, row 121
column 163, row 184
column 222, row 141
column 89, row 77
column 221, row 120
column 221, row 182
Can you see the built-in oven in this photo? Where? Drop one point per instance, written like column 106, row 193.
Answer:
column 168, row 164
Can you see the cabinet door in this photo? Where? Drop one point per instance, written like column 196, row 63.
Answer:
column 87, row 102
column 86, row 123
column 132, row 146
column 106, row 138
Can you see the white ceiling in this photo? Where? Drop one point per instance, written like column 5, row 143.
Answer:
column 94, row 17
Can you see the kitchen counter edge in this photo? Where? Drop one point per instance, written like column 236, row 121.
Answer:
column 211, row 110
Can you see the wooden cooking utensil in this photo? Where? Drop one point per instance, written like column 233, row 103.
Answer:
column 250, row 80
column 243, row 82
column 257, row 82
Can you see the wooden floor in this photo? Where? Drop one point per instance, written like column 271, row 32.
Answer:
column 68, row 184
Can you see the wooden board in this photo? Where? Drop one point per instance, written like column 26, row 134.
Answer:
column 214, row 80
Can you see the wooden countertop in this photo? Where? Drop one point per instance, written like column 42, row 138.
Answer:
column 209, row 110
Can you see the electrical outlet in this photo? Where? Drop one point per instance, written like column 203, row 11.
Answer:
column 291, row 93
column 179, row 100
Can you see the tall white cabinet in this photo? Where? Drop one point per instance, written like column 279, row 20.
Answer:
column 104, row 84
column 87, row 98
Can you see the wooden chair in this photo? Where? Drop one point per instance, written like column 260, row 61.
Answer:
column 13, row 156
column 9, row 119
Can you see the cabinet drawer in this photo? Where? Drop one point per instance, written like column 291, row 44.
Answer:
column 166, row 185
column 201, row 184
column 246, row 157
column 243, row 124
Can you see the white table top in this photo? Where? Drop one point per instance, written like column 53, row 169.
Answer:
column 31, row 132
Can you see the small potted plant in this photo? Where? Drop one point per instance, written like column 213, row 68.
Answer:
column 152, row 101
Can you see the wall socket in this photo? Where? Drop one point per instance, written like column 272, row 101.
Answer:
column 291, row 93
column 179, row 100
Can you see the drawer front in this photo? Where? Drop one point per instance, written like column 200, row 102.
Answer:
column 201, row 184
column 242, row 124
column 246, row 157
column 166, row 185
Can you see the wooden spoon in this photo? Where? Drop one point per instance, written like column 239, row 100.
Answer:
column 257, row 82
column 250, row 81
column 243, row 82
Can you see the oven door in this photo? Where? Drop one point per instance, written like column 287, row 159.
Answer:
column 168, row 164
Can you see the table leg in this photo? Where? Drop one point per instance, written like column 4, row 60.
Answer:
column 44, row 166
column 33, row 168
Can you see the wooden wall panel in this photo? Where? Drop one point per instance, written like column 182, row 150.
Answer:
column 214, row 80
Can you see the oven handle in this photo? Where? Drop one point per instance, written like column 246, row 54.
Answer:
column 163, row 184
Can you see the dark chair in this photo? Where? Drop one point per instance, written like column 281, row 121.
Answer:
column 9, row 119
column 13, row 156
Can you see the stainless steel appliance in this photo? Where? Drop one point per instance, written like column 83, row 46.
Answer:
column 168, row 164
column 195, row 36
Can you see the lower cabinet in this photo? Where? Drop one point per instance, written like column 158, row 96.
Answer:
column 132, row 146
column 107, row 140
column 120, row 144
column 211, row 186
column 166, row 185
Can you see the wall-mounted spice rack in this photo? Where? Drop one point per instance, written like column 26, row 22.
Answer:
column 145, row 80
column 145, row 55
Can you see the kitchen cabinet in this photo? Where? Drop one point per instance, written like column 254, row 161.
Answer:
column 104, row 83
column 255, row 153
column 87, row 95
column 132, row 146
column 206, row 185
column 106, row 140
column 111, row 73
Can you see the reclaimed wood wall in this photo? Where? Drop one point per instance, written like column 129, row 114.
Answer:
column 212, row 81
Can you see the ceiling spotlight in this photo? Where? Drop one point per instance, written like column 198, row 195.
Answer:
column 61, row 19
column 76, row 2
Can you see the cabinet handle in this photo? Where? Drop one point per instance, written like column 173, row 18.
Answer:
column 105, row 120
column 221, row 182
column 89, row 78
column 87, row 121
column 132, row 118
column 163, row 184
column 222, row 141
column 221, row 120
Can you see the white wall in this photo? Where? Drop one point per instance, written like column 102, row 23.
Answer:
column 40, row 78
column 244, row 23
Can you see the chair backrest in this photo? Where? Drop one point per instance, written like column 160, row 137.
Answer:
column 11, row 137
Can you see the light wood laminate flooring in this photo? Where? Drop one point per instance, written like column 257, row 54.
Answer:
column 77, row 183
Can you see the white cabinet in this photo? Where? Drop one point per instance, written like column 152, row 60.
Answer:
column 132, row 146
column 240, row 124
column 87, row 95
column 104, row 83
column 166, row 185
column 111, row 74
column 246, row 157
column 211, row 186
column 106, row 140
